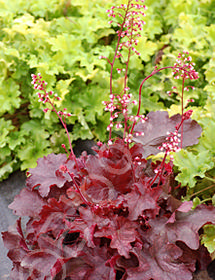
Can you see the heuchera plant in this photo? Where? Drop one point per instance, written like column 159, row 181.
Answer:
column 116, row 214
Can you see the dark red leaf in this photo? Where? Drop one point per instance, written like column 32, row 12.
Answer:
column 184, row 207
column 110, row 171
column 27, row 203
column 15, row 242
column 75, row 269
column 19, row 272
column 53, row 215
column 156, row 128
column 187, row 224
column 98, row 258
column 47, row 173
column 140, row 199
column 122, row 232
column 159, row 262
column 87, row 223
column 40, row 261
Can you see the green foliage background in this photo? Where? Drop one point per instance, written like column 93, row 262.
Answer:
column 63, row 39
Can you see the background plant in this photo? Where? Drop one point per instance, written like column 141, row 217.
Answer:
column 63, row 41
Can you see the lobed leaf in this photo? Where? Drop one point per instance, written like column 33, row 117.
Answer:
column 47, row 173
column 156, row 128
column 208, row 238
column 192, row 165
column 27, row 203
column 121, row 232
column 110, row 171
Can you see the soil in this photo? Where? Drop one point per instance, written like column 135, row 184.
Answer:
column 202, row 275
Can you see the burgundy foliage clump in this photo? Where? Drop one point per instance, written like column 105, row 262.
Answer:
column 108, row 216
column 113, row 215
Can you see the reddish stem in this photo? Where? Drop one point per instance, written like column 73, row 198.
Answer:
column 159, row 172
column 67, row 132
column 140, row 90
column 182, row 108
column 114, row 58
column 78, row 189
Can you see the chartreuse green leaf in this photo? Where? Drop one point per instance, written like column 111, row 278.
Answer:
column 43, row 8
column 6, row 161
column 210, row 33
column 82, row 132
column 85, row 75
column 190, row 32
column 57, row 139
column 207, row 142
column 36, row 146
column 9, row 96
column 208, row 238
column 16, row 138
column 62, row 88
column 207, row 119
column 191, row 165
column 146, row 48
column 30, row 152
column 153, row 20
column 5, row 128
column 7, row 57
column 210, row 74
column 6, row 169
column 210, row 71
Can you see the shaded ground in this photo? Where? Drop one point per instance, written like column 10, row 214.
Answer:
column 8, row 190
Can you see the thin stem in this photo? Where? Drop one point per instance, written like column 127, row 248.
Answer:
column 196, row 193
column 210, row 179
column 78, row 190
column 67, row 132
column 160, row 171
column 114, row 58
column 129, row 55
column 140, row 90
column 182, row 108
column 162, row 168
column 205, row 200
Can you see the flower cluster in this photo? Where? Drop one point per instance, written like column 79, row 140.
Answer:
column 184, row 67
column 172, row 143
column 46, row 96
column 132, row 23
column 41, row 85
column 187, row 115
column 174, row 90
column 118, row 105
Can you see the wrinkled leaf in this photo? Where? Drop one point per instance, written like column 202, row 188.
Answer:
column 156, row 129
column 27, row 203
column 47, row 173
